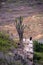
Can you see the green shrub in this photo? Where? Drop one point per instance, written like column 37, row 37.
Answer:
column 5, row 42
column 38, row 47
column 36, row 57
column 38, row 53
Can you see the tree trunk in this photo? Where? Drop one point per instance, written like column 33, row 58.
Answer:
column 21, row 42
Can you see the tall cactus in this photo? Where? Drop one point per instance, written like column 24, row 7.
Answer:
column 20, row 29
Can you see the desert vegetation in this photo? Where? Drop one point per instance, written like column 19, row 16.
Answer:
column 32, row 12
column 20, row 29
column 38, row 53
column 6, row 45
column 5, row 42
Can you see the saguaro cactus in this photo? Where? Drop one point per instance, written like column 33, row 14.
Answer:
column 20, row 29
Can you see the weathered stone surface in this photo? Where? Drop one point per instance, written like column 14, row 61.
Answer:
column 13, row 57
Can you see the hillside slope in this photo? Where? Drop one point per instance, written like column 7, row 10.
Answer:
column 34, row 27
